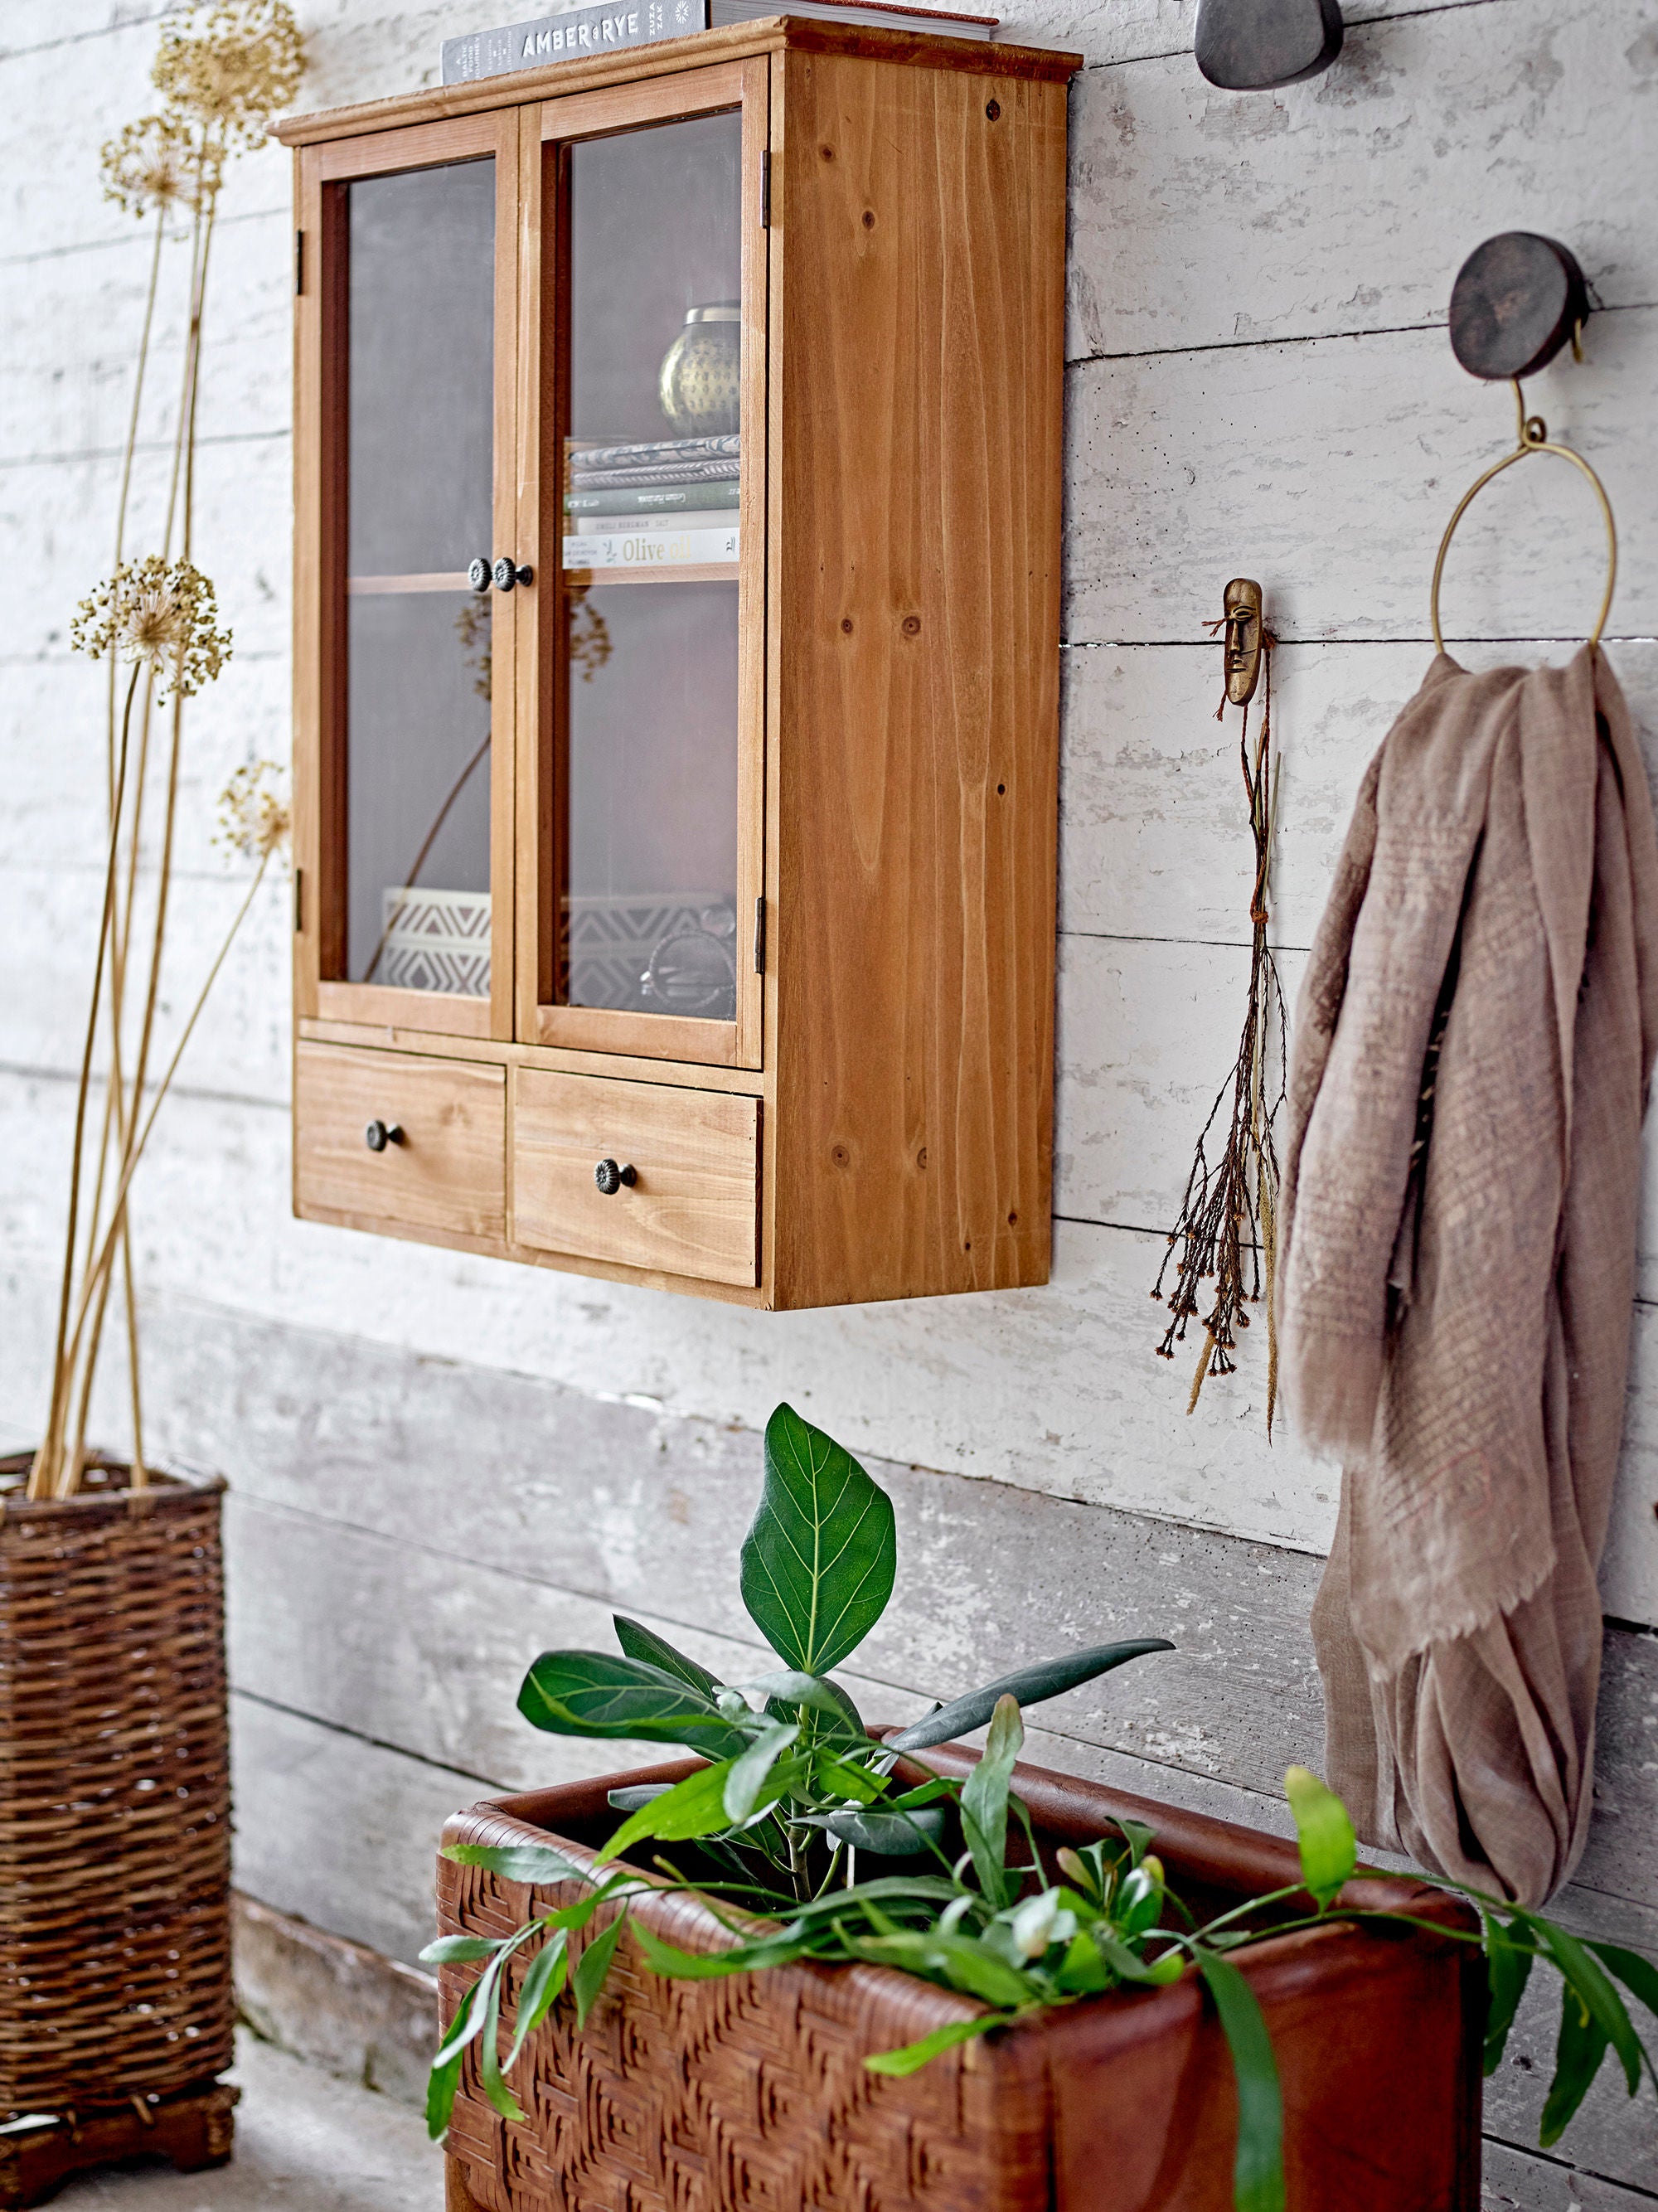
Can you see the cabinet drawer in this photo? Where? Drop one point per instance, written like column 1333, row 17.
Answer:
column 449, row 1170
column 692, row 1206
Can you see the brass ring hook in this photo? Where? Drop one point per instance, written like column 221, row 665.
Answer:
column 1533, row 438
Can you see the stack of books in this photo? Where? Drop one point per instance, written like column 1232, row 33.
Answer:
column 669, row 503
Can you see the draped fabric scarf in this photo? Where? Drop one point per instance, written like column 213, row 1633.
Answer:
column 1472, row 1050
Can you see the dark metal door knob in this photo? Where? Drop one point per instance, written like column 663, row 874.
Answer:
column 507, row 573
column 477, row 574
column 609, row 1178
column 379, row 1134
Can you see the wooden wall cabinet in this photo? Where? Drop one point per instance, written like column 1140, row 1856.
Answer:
column 679, row 906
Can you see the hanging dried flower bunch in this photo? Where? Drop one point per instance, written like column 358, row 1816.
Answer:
column 1225, row 1244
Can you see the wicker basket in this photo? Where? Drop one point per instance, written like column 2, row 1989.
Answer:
column 115, row 1985
column 749, row 2094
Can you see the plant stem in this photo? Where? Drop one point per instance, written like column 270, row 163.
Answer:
column 135, row 1150
column 43, row 1474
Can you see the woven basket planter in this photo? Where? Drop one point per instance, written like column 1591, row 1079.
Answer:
column 748, row 2094
column 115, row 1988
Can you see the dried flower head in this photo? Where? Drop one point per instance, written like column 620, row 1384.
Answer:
column 161, row 163
column 159, row 611
column 232, row 66
column 254, row 819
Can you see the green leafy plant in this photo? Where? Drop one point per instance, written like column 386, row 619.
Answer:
column 794, row 1787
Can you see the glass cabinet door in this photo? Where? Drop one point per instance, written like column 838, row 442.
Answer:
column 418, row 681
column 652, row 479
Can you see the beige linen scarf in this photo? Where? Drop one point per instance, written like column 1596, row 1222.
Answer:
column 1473, row 1050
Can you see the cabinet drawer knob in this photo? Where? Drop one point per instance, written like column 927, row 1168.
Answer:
column 477, row 574
column 609, row 1178
column 508, row 573
column 379, row 1134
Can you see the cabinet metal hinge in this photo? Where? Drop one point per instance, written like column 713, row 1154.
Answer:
column 760, row 935
column 765, row 190
column 299, row 262
column 298, row 902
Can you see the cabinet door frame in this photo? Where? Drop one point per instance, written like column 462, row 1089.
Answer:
column 320, row 460
column 548, row 128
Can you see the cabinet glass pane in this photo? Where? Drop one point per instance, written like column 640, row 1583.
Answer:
column 652, row 447
column 419, row 488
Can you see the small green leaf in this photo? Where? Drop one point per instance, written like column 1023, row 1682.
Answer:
column 593, row 1964
column 594, row 1693
column 1595, row 1993
column 1507, row 1969
column 1136, row 1836
column 891, row 1835
column 1258, row 2168
column 441, row 2084
column 540, row 1992
column 629, row 1799
column 913, row 2056
column 469, row 2016
column 819, row 1558
column 489, row 2077
column 642, row 1643
column 538, row 1864
column 746, row 1777
column 984, row 1801
column 669, row 1960
column 1137, row 1906
column 1329, row 1848
column 459, row 1950
column 923, row 1893
column 964, row 1963
column 1583, row 2045
column 695, row 1807
column 1639, row 1977
column 1029, row 1685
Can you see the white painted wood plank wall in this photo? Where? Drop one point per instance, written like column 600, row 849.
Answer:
column 1259, row 382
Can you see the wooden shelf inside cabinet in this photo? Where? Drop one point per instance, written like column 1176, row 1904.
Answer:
column 703, row 937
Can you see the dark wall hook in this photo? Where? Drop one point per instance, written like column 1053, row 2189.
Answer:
column 1518, row 298
column 1250, row 46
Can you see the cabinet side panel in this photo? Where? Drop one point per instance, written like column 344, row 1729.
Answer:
column 922, row 221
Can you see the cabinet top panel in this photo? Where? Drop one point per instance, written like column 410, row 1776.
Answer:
column 633, row 64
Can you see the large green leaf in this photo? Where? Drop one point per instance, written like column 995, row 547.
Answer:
column 642, row 1643
column 819, row 1558
column 1258, row 2168
column 1028, row 1685
column 596, row 1694
column 1329, row 1848
column 984, row 1801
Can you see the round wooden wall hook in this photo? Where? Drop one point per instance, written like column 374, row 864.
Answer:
column 1517, row 299
column 1250, row 46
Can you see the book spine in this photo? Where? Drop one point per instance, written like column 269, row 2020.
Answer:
column 669, row 499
